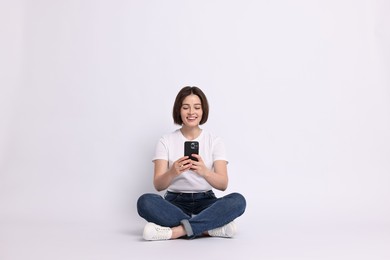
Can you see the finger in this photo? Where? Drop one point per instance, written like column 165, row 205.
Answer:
column 185, row 157
column 181, row 168
column 194, row 163
column 197, row 156
column 184, row 166
column 181, row 160
column 185, row 162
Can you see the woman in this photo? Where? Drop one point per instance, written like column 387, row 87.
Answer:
column 189, row 207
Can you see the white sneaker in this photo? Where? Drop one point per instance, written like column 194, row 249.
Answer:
column 225, row 231
column 156, row 232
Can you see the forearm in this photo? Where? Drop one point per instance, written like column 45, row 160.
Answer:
column 217, row 181
column 162, row 182
column 163, row 175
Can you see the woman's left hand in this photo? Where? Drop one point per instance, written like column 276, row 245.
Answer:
column 198, row 166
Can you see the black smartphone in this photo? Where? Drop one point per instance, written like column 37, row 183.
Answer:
column 191, row 147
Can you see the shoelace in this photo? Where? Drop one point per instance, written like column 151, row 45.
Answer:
column 220, row 232
column 161, row 233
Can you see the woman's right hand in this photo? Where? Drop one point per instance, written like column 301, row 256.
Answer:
column 164, row 176
column 181, row 165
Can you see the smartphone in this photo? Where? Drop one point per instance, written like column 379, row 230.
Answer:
column 191, row 147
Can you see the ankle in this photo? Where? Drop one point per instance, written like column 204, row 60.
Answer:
column 178, row 231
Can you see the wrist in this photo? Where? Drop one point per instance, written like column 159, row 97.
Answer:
column 208, row 173
column 172, row 172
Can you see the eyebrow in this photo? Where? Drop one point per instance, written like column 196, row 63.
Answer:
column 197, row 104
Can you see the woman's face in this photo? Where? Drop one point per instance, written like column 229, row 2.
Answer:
column 191, row 111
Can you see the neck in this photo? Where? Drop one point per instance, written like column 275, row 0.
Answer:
column 190, row 132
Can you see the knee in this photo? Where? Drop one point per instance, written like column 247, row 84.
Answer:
column 239, row 201
column 145, row 202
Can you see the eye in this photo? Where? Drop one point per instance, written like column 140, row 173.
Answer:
column 198, row 108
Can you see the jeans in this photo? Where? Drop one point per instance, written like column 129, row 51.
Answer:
column 197, row 212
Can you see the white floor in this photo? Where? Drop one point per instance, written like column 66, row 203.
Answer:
column 22, row 240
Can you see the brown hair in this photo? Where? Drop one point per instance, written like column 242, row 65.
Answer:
column 183, row 93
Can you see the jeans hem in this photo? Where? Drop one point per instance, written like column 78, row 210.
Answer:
column 187, row 227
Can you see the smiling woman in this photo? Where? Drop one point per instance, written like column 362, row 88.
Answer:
column 190, row 207
column 185, row 98
column 191, row 110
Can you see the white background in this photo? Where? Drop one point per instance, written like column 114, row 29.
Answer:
column 299, row 90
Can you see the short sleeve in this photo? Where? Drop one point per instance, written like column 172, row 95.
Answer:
column 161, row 150
column 219, row 150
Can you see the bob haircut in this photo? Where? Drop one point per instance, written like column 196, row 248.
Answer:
column 183, row 93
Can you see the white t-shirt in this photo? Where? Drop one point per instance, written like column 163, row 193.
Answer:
column 171, row 147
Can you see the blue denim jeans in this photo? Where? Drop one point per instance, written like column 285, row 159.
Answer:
column 197, row 212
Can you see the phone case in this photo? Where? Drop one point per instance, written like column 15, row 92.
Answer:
column 191, row 147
